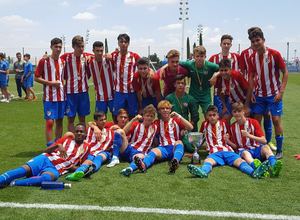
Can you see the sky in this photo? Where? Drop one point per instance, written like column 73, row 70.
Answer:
column 154, row 24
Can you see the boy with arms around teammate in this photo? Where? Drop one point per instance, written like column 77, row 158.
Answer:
column 49, row 73
column 170, row 146
column 220, row 153
column 250, row 141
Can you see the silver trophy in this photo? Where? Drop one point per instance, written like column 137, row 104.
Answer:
column 196, row 139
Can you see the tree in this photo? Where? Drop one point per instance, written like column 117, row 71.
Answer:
column 188, row 49
column 106, row 46
column 155, row 61
column 200, row 39
column 194, row 45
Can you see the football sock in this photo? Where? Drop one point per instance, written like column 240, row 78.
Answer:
column 207, row 167
column 272, row 160
column 10, row 175
column 279, row 140
column 117, row 143
column 149, row 159
column 245, row 168
column 133, row 166
column 98, row 160
column 268, row 129
column 178, row 152
column 84, row 168
column 33, row 181
column 252, row 165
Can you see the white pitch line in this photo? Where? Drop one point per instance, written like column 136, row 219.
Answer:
column 147, row 210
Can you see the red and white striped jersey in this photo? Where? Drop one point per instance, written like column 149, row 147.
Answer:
column 51, row 70
column 214, row 135
column 251, row 126
column 233, row 57
column 142, row 137
column 169, row 131
column 76, row 154
column 235, row 87
column 102, row 73
column 147, row 86
column 266, row 72
column 105, row 143
column 76, row 73
column 244, row 61
column 125, row 67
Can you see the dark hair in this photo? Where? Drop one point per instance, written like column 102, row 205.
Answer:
column 2, row 55
column 256, row 33
column 81, row 124
column 179, row 77
column 124, row 37
column 18, row 53
column 77, row 40
column 225, row 63
column 27, row 55
column 226, row 36
column 55, row 40
column 252, row 29
column 97, row 44
column 143, row 61
column 98, row 115
column 211, row 108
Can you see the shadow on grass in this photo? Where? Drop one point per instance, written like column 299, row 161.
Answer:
column 27, row 154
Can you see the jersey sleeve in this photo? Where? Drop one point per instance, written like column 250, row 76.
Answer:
column 136, row 82
column 202, row 128
column 39, row 71
column 258, row 131
column 242, row 63
column 279, row 60
column 211, row 59
column 133, row 126
column 156, row 85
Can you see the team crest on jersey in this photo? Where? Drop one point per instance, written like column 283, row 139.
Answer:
column 267, row 60
column 185, row 104
column 205, row 72
column 48, row 113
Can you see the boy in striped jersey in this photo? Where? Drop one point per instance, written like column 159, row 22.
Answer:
column 58, row 159
column 100, row 148
column 220, row 153
column 231, row 87
column 101, row 70
column 225, row 44
column 146, row 84
column 244, row 63
column 49, row 72
column 265, row 67
column 250, row 141
column 170, row 146
column 125, row 66
column 142, row 131
column 76, row 74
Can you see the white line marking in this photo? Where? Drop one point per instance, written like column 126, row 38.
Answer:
column 147, row 210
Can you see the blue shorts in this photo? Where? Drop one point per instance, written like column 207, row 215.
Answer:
column 106, row 153
column 149, row 101
column 167, row 152
column 265, row 104
column 218, row 103
column 54, row 110
column 224, row 157
column 41, row 164
column 3, row 81
column 101, row 106
column 255, row 153
column 129, row 153
column 127, row 101
column 78, row 103
column 28, row 83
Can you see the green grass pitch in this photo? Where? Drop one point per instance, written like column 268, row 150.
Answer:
column 226, row 189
